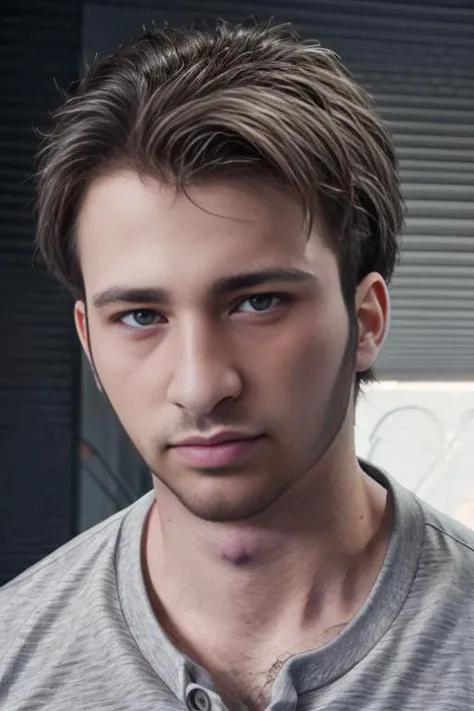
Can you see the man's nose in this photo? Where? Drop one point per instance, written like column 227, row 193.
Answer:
column 204, row 374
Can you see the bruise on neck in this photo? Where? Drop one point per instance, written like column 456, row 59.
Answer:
column 237, row 553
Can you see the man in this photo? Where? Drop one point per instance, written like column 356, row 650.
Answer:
column 225, row 207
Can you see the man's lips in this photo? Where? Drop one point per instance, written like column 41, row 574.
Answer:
column 217, row 437
column 214, row 452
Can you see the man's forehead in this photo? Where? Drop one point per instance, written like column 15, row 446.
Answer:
column 140, row 238
column 228, row 200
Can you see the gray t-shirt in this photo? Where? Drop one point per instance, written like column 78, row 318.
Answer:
column 77, row 632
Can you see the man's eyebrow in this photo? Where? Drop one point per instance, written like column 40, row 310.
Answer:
column 221, row 287
column 247, row 280
column 130, row 295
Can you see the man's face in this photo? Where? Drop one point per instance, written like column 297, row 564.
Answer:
column 214, row 313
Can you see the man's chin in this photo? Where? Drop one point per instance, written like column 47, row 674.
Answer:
column 221, row 497
column 230, row 513
column 219, row 509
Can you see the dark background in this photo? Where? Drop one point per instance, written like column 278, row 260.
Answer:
column 416, row 57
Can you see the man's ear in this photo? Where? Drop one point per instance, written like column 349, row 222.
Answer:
column 373, row 316
column 82, row 328
column 80, row 319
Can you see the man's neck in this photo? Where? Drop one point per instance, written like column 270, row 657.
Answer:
column 280, row 584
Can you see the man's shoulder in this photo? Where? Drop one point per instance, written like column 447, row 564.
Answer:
column 82, row 547
column 65, row 638
column 456, row 535
column 441, row 536
column 57, row 580
column 448, row 550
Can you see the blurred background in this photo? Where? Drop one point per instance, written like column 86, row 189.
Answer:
column 65, row 462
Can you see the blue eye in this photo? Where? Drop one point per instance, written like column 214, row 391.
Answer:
column 140, row 318
column 260, row 303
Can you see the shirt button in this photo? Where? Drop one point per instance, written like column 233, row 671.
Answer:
column 198, row 700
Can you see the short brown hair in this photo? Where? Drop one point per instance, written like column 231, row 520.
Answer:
column 182, row 105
